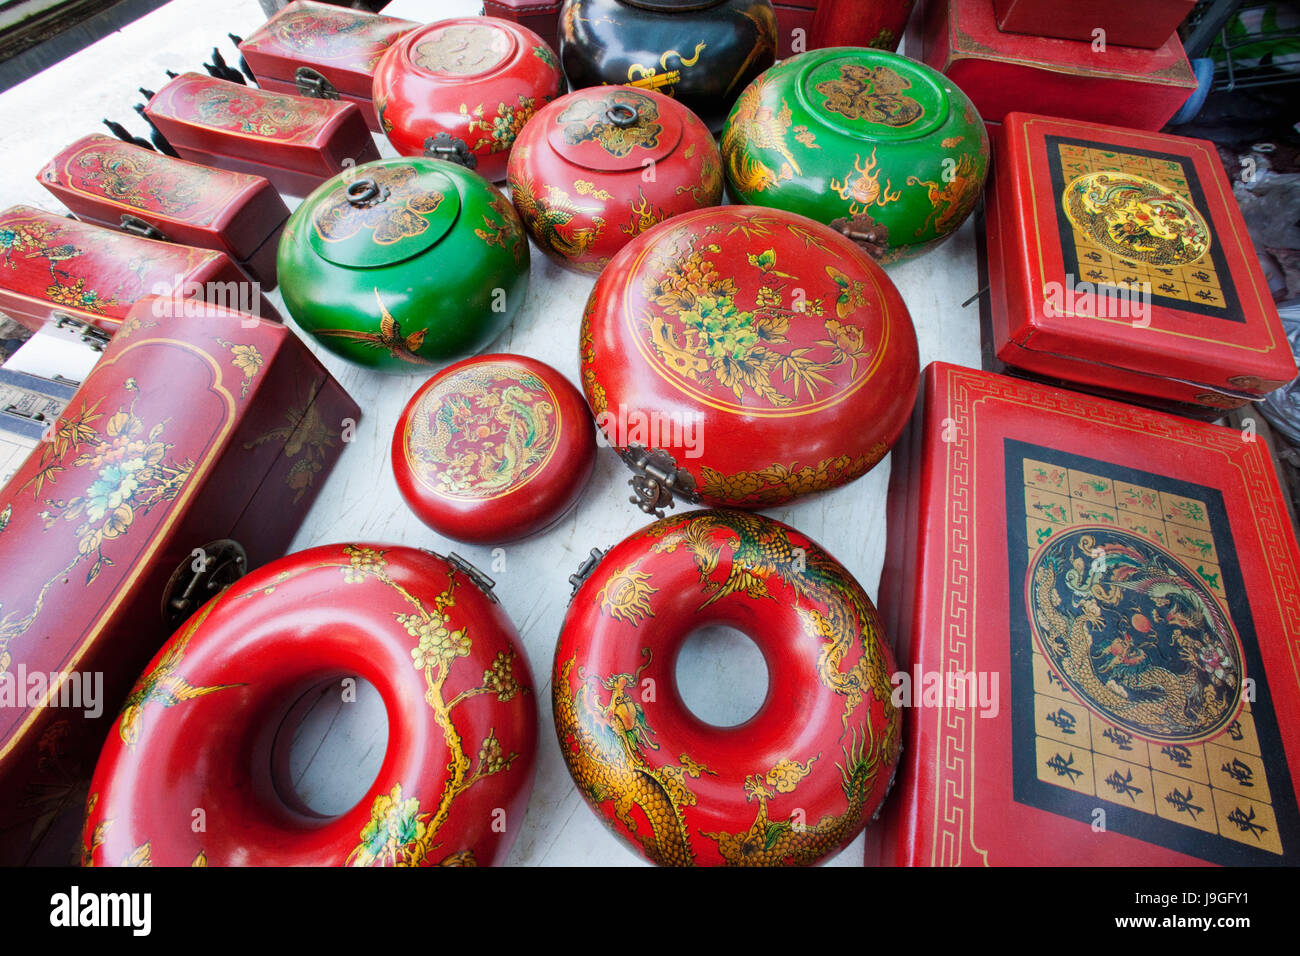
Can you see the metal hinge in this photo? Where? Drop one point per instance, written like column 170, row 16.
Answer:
column 313, row 84
column 206, row 572
column 584, row 570
column 657, row 481
column 97, row 339
column 445, row 146
column 480, row 580
column 138, row 227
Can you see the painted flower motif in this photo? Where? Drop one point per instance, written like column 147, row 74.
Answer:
column 394, row 834
column 437, row 645
column 77, row 295
column 500, row 676
column 362, row 561
column 490, row 757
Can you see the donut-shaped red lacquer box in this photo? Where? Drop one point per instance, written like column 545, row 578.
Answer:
column 462, row 90
column 493, row 448
column 793, row 784
column 743, row 356
column 595, row 169
column 195, row 771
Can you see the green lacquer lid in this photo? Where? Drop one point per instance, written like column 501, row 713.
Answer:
column 873, row 96
column 385, row 216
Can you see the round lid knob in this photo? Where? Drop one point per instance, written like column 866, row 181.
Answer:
column 614, row 129
column 385, row 215
column 493, row 448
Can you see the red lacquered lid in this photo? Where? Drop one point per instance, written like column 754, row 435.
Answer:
column 493, row 448
column 462, row 90
column 578, row 172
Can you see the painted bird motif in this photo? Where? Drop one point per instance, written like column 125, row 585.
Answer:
column 756, row 126
column 162, row 685
column 389, row 337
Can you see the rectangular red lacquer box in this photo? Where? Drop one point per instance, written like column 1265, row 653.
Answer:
column 1147, row 23
column 540, row 16
column 1077, row 213
column 1104, row 604
column 325, row 51
column 198, row 427
column 1002, row 72
column 111, row 183
column 793, row 15
column 294, row 141
column 54, row 268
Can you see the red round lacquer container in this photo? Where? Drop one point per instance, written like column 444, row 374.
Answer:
column 493, row 448
column 595, row 169
column 462, row 90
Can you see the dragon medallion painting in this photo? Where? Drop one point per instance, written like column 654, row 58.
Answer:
column 484, row 430
column 1135, row 634
column 1136, row 218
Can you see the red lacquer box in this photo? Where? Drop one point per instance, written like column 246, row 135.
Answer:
column 1002, row 72
column 540, row 16
column 294, row 141
column 792, row 16
column 111, row 183
column 54, row 268
column 1119, row 259
column 1144, row 23
column 1098, row 610
column 324, row 51
column 190, row 454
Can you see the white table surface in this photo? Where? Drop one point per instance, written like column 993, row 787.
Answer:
column 721, row 674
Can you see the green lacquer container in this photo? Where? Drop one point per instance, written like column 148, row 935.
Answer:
column 404, row 264
column 878, row 146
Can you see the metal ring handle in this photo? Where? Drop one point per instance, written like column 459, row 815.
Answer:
column 622, row 115
column 363, row 192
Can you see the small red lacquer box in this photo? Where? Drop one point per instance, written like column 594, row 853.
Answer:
column 111, row 183
column 1097, row 610
column 1145, row 23
column 1118, row 259
column 55, row 268
column 190, row 454
column 1002, row 72
column 294, row 141
column 540, row 16
column 794, row 22
column 324, row 51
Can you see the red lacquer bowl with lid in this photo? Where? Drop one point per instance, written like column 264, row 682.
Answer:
column 595, row 169
column 740, row 356
column 462, row 90
column 493, row 448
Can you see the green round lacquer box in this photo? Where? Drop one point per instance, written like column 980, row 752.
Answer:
column 402, row 264
column 878, row 146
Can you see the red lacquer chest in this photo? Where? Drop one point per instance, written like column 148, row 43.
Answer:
column 106, row 181
column 294, row 141
column 324, row 51
column 540, row 16
column 1119, row 259
column 794, row 26
column 1097, row 610
column 1147, row 24
column 1002, row 72
column 54, row 268
column 190, row 453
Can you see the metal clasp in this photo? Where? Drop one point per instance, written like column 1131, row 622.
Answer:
column 138, row 227
column 204, row 573
column 588, row 565
column 445, row 146
column 480, row 580
column 657, row 482
column 313, row 84
column 97, row 339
